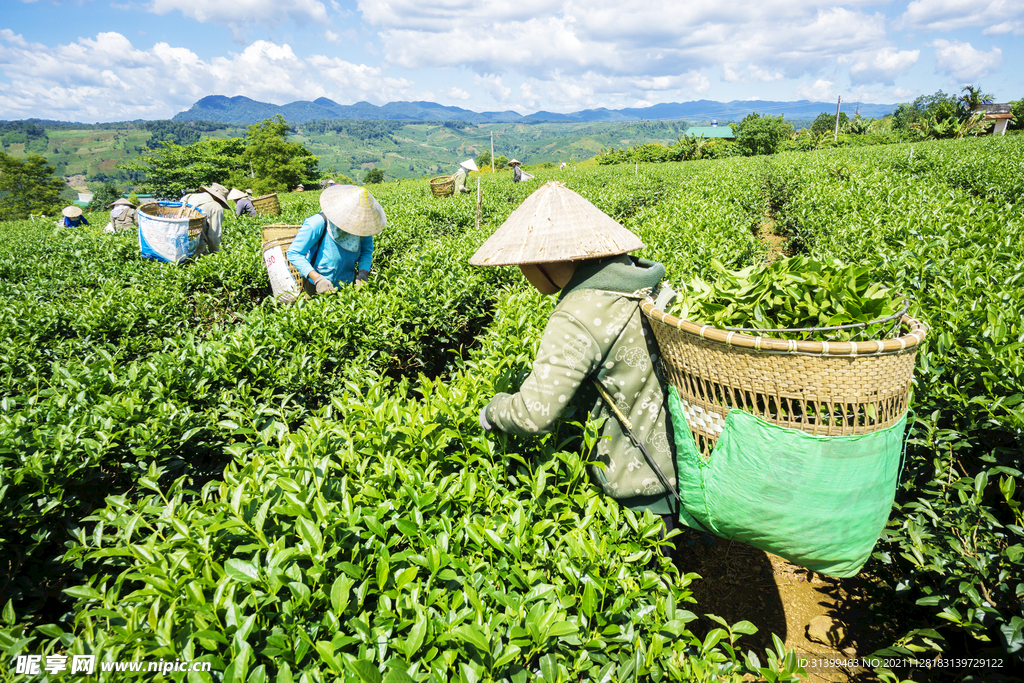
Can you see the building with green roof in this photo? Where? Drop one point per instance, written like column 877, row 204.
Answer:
column 713, row 131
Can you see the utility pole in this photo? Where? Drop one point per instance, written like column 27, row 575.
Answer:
column 492, row 151
column 835, row 136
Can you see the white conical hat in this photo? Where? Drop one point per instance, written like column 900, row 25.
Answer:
column 469, row 165
column 555, row 224
column 72, row 211
column 353, row 209
column 236, row 194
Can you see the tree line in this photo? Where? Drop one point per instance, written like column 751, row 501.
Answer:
column 929, row 117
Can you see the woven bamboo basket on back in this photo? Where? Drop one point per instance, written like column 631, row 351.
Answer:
column 267, row 205
column 443, row 186
column 822, row 388
column 280, row 235
column 179, row 210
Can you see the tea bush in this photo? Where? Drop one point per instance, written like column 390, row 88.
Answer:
column 303, row 493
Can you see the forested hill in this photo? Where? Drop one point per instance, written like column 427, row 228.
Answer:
column 242, row 110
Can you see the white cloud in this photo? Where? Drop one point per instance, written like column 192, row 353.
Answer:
column 456, row 94
column 731, row 73
column 650, row 39
column 245, row 12
column 764, row 75
column 492, row 85
column 820, row 91
column 962, row 61
column 883, row 66
column 107, row 78
column 690, row 81
column 996, row 16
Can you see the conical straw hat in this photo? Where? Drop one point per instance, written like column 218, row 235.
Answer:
column 469, row 165
column 217, row 192
column 120, row 201
column 236, row 194
column 353, row 210
column 555, row 224
column 72, row 211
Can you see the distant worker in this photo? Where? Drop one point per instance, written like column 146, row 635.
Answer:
column 460, row 175
column 243, row 203
column 212, row 201
column 335, row 246
column 517, row 171
column 562, row 166
column 73, row 217
column 122, row 216
column 299, row 188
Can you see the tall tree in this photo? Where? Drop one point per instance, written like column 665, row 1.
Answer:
column 826, row 123
column 763, row 134
column 277, row 164
column 171, row 169
column 27, row 187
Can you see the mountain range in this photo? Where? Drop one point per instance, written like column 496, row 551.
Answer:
column 244, row 111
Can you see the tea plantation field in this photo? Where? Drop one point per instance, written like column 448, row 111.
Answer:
column 189, row 471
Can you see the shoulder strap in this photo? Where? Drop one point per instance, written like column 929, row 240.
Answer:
column 316, row 250
column 628, row 428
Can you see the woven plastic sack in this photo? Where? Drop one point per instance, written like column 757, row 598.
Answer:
column 282, row 282
column 818, row 501
column 167, row 238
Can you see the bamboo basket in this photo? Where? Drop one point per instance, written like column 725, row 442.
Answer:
column 280, row 235
column 196, row 220
column 443, row 186
column 822, row 388
column 267, row 205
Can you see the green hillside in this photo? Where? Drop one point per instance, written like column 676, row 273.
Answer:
column 350, row 147
column 421, row 149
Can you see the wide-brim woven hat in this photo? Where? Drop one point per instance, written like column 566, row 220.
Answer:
column 469, row 165
column 353, row 210
column 236, row 194
column 514, row 162
column 120, row 201
column 217, row 192
column 555, row 224
column 72, row 211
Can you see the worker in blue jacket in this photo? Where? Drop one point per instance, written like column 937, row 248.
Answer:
column 335, row 246
column 73, row 217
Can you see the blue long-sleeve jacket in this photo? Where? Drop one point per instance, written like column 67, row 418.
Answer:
column 75, row 222
column 314, row 249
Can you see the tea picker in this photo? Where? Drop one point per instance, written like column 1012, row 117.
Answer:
column 335, row 246
column 122, row 216
column 460, row 176
column 72, row 217
column 565, row 245
column 211, row 201
column 243, row 202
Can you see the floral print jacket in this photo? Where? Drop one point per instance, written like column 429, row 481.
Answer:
column 598, row 331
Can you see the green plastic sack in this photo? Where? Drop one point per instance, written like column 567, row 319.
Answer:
column 818, row 501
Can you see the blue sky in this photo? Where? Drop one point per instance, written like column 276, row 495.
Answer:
column 98, row 60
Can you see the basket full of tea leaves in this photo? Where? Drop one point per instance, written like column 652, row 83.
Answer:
column 817, row 346
column 794, row 298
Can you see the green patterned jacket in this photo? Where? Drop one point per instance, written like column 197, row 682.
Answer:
column 598, row 331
